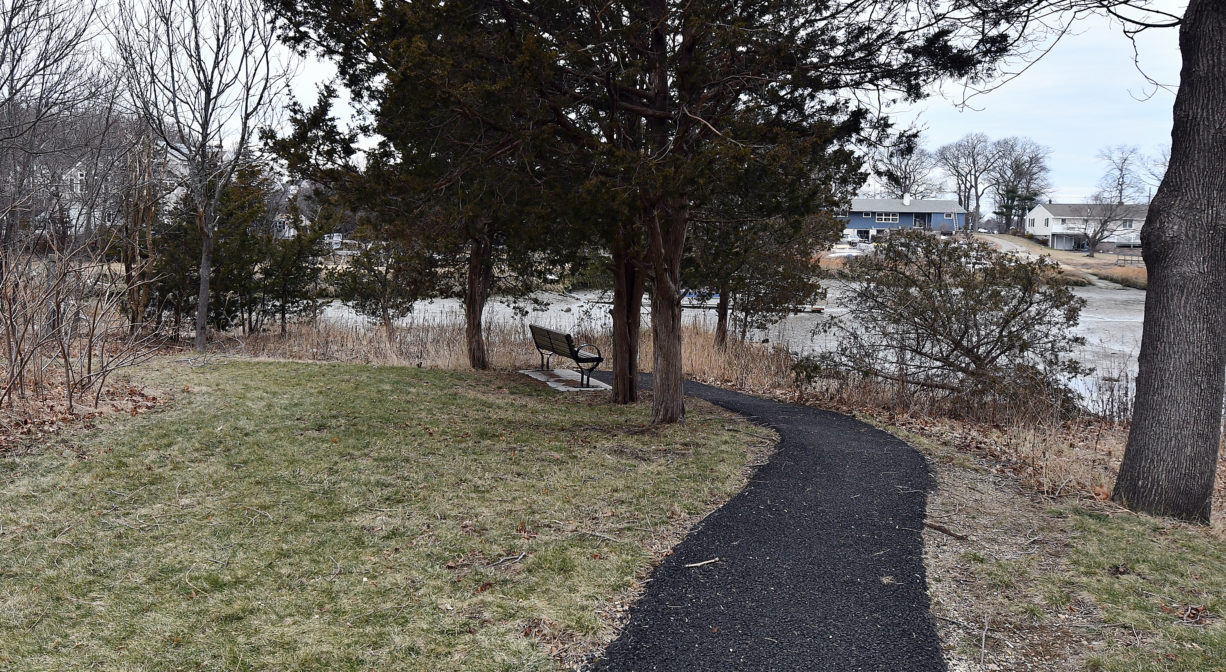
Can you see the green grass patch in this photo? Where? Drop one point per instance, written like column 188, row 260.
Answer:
column 284, row 516
column 1144, row 574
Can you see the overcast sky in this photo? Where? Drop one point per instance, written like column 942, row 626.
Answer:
column 1083, row 96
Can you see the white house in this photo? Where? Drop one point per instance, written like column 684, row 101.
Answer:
column 1063, row 226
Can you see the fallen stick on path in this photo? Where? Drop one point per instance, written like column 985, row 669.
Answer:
column 704, row 562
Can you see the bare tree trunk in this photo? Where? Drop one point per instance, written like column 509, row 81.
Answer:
column 627, row 319
column 477, row 293
column 204, row 221
column 1171, row 457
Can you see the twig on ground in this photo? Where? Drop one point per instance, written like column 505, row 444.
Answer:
column 509, row 559
column 704, row 562
column 945, row 530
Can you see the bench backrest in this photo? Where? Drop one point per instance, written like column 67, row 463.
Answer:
column 552, row 341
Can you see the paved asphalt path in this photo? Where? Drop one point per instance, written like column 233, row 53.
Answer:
column 820, row 560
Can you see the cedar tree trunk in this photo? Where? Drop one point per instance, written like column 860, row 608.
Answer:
column 667, row 239
column 721, row 319
column 627, row 319
column 1172, row 450
column 476, row 294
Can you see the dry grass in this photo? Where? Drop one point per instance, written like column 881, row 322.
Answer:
column 439, row 344
column 1101, row 264
column 1128, row 276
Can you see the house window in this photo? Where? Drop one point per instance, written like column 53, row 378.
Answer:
column 1046, row 222
column 887, row 217
column 1032, row 221
column 1126, row 224
column 1061, row 221
column 949, row 215
column 867, row 214
column 841, row 214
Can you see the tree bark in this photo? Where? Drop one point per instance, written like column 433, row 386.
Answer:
column 627, row 317
column 476, row 294
column 1171, row 457
column 667, row 239
column 204, row 220
column 721, row 319
column 389, row 325
column 665, row 215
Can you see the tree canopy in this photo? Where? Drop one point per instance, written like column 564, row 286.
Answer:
column 647, row 105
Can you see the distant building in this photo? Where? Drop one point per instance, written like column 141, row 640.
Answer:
column 1063, row 226
column 872, row 217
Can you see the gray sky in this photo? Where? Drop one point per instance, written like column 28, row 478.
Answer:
column 1085, row 95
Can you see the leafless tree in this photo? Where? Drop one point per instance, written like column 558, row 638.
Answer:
column 969, row 162
column 908, row 171
column 46, row 72
column 1102, row 217
column 1124, row 177
column 204, row 75
column 1114, row 206
column 1154, row 169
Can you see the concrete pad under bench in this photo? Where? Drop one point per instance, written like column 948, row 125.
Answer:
column 565, row 380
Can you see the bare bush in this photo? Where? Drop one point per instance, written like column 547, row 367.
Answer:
column 64, row 333
column 957, row 321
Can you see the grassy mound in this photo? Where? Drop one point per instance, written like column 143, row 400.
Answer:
column 303, row 516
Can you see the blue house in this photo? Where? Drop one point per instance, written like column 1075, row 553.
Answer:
column 872, row 217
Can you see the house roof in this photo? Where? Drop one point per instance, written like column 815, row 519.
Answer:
column 1127, row 211
column 896, row 205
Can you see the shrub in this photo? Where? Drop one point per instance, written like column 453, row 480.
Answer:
column 959, row 320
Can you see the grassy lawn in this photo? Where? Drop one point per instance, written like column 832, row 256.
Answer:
column 284, row 516
column 1161, row 584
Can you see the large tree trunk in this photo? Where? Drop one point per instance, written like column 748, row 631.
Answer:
column 627, row 317
column 1172, row 451
column 204, row 220
column 667, row 239
column 476, row 294
column 665, row 216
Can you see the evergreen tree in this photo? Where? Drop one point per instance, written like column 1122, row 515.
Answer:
column 639, row 102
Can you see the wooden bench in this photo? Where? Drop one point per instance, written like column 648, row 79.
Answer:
column 549, row 343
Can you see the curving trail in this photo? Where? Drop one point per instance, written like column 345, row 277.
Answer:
column 820, row 560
